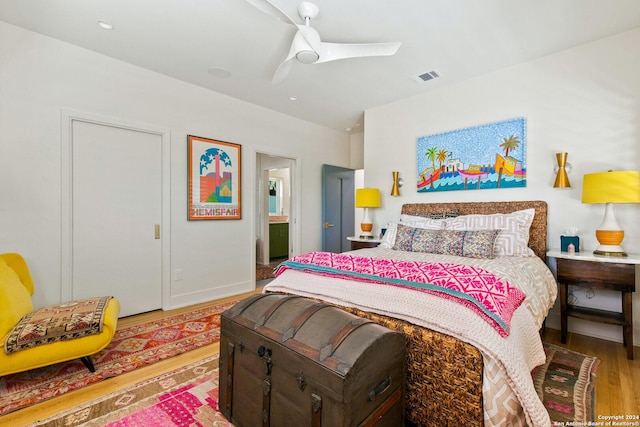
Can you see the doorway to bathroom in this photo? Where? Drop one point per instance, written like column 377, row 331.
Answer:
column 276, row 212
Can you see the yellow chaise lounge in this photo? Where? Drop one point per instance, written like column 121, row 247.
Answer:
column 16, row 288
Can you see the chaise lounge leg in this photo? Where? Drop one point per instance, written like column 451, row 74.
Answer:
column 86, row 360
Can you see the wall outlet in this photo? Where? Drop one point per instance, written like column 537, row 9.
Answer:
column 177, row 274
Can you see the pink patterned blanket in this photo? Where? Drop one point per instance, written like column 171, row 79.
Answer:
column 493, row 298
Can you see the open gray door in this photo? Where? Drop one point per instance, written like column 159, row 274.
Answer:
column 337, row 208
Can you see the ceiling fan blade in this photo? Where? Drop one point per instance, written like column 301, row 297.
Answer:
column 335, row 51
column 285, row 66
column 282, row 71
column 272, row 10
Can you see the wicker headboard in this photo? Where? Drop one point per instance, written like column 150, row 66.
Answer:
column 537, row 232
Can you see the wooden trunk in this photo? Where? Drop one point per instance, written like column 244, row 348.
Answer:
column 291, row 361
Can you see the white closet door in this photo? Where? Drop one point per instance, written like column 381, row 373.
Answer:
column 116, row 214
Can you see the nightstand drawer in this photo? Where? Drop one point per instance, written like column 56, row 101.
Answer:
column 601, row 275
column 363, row 245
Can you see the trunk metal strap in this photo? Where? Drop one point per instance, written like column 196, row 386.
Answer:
column 302, row 318
column 340, row 336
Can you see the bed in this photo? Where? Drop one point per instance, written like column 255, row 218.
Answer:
column 460, row 370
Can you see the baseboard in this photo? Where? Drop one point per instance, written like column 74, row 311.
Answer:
column 206, row 295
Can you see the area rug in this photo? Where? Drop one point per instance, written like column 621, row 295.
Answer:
column 566, row 384
column 185, row 397
column 131, row 348
column 188, row 396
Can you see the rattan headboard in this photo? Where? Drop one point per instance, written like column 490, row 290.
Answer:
column 537, row 232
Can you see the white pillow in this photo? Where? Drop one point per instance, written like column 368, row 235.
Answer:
column 514, row 227
column 422, row 222
column 389, row 238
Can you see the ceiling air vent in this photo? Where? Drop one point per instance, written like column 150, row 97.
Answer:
column 425, row 77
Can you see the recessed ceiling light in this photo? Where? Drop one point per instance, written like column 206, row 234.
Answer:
column 219, row 72
column 293, row 98
column 347, row 129
column 105, row 25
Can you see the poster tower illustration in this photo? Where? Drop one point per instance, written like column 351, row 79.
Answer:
column 214, row 179
column 215, row 176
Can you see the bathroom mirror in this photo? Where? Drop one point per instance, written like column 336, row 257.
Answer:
column 275, row 196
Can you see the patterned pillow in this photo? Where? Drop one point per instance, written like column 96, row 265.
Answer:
column 480, row 243
column 513, row 238
column 470, row 244
column 404, row 238
column 388, row 240
column 427, row 216
column 429, row 241
column 422, row 222
column 441, row 215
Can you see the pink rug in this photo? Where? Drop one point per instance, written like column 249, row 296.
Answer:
column 185, row 397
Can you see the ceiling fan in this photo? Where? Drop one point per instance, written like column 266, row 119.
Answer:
column 308, row 48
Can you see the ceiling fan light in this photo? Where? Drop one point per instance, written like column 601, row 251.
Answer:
column 307, row 56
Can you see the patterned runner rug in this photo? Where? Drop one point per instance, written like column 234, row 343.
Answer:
column 566, row 384
column 188, row 396
column 130, row 349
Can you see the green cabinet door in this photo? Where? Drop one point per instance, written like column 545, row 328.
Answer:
column 279, row 240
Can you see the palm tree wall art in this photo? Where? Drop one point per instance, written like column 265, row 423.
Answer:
column 489, row 156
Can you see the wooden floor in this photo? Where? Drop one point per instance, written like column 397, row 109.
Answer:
column 616, row 391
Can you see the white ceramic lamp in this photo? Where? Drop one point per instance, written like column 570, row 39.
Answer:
column 367, row 198
column 609, row 188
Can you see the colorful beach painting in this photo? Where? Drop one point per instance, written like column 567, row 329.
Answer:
column 477, row 158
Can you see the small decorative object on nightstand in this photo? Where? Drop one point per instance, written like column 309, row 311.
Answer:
column 596, row 272
column 360, row 243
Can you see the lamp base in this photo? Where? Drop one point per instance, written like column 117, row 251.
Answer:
column 610, row 238
column 610, row 251
column 366, row 228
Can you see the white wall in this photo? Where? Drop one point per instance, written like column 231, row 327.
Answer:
column 357, row 150
column 585, row 101
column 40, row 76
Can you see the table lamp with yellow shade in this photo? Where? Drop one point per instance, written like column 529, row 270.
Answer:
column 367, row 198
column 609, row 188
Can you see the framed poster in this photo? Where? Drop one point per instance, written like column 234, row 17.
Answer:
column 476, row 158
column 214, row 179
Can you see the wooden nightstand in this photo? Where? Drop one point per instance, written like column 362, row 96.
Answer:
column 360, row 243
column 596, row 272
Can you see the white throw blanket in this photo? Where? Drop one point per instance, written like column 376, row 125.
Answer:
column 512, row 357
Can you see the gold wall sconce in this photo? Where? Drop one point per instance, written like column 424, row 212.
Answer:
column 397, row 183
column 561, row 170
